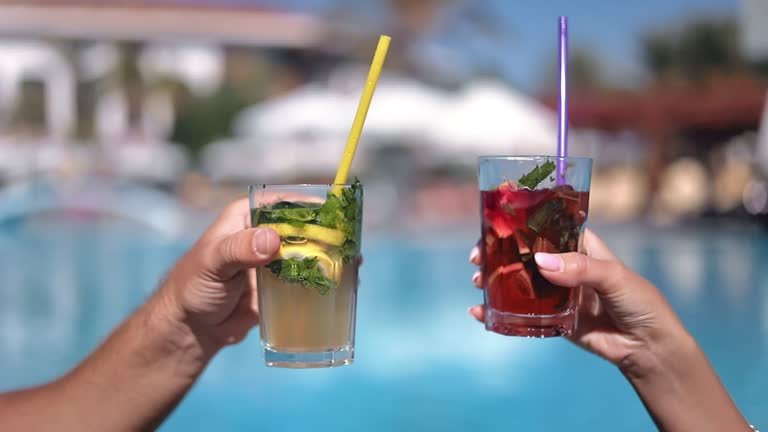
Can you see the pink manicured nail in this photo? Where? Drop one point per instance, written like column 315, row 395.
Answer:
column 473, row 255
column 476, row 277
column 549, row 262
column 476, row 312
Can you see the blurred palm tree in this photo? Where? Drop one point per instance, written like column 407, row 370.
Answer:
column 86, row 91
column 701, row 48
column 585, row 71
column 28, row 116
column 127, row 76
column 202, row 119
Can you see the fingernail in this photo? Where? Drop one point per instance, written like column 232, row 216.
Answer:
column 549, row 262
column 475, row 277
column 473, row 255
column 262, row 242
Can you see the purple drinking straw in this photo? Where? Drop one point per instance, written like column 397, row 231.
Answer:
column 562, row 109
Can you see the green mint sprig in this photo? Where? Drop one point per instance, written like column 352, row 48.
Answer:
column 537, row 175
column 287, row 212
column 305, row 271
column 344, row 212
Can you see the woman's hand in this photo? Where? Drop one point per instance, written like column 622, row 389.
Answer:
column 622, row 317
column 625, row 319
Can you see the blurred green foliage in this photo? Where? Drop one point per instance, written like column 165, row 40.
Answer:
column 250, row 75
column 29, row 113
column 585, row 71
column 202, row 120
column 697, row 50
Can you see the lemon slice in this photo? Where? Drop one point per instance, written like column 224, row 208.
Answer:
column 310, row 232
column 330, row 266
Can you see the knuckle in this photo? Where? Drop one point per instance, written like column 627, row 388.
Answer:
column 617, row 273
column 235, row 339
column 227, row 249
column 232, row 211
column 577, row 264
column 209, row 254
column 235, row 207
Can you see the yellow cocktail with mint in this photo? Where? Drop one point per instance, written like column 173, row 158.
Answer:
column 307, row 294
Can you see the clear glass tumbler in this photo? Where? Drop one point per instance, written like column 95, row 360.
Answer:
column 530, row 204
column 308, row 293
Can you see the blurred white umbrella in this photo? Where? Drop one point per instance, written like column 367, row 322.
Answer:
column 231, row 160
column 310, row 110
column 275, row 159
column 291, row 158
column 403, row 107
column 490, row 118
column 485, row 118
column 156, row 161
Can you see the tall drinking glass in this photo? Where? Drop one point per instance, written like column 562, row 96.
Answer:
column 307, row 294
column 527, row 209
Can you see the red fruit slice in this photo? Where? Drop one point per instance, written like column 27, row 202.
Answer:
column 512, row 276
column 543, row 244
column 508, row 186
column 500, row 223
column 506, row 193
column 522, row 245
column 491, row 243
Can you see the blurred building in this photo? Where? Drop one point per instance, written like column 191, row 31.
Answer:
column 242, row 23
column 161, row 91
column 122, row 74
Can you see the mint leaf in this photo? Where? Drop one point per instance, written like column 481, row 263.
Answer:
column 348, row 251
column 330, row 212
column 297, row 214
column 286, row 212
column 544, row 214
column 537, row 175
column 305, row 271
column 343, row 213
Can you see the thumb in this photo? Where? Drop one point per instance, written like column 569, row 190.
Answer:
column 606, row 277
column 244, row 249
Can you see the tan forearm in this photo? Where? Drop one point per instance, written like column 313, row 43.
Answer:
column 683, row 393
column 131, row 382
column 31, row 409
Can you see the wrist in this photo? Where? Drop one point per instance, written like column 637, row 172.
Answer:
column 661, row 357
column 180, row 339
column 675, row 377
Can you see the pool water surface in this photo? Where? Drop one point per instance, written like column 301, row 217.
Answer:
column 421, row 362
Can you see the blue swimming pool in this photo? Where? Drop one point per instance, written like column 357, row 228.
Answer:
column 421, row 364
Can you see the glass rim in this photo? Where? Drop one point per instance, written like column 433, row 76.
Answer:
column 533, row 157
column 304, row 185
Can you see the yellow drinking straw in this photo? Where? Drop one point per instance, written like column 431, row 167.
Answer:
column 362, row 111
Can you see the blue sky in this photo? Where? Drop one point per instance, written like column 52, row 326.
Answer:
column 610, row 28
